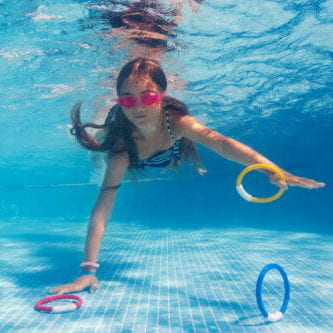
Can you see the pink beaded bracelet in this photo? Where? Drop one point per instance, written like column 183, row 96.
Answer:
column 89, row 264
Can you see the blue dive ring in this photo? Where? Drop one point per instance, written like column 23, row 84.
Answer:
column 278, row 315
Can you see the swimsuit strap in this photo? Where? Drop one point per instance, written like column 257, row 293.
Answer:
column 168, row 125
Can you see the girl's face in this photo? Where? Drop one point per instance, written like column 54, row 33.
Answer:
column 142, row 115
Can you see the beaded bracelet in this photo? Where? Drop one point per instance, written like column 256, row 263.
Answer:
column 89, row 264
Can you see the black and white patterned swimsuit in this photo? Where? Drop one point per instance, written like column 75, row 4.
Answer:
column 164, row 157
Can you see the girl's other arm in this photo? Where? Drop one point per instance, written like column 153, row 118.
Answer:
column 116, row 168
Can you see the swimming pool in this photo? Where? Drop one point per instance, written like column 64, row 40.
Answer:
column 182, row 253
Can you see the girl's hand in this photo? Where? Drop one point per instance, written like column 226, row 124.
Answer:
column 82, row 282
column 292, row 180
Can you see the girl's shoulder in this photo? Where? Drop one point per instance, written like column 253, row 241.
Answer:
column 187, row 126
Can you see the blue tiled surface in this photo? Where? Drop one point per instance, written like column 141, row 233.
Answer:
column 165, row 280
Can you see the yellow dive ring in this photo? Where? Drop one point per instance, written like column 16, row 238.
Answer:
column 248, row 196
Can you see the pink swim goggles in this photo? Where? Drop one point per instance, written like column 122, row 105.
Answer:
column 148, row 98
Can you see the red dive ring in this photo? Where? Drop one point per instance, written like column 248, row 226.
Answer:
column 59, row 308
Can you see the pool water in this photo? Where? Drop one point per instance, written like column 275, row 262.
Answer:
column 182, row 252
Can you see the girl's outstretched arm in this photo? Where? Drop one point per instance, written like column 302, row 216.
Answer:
column 116, row 168
column 189, row 127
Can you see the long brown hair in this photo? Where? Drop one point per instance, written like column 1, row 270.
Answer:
column 119, row 129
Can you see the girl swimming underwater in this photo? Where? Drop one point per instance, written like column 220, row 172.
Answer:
column 148, row 128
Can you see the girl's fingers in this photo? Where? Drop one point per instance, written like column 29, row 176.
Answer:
column 54, row 290
column 305, row 182
column 65, row 289
column 76, row 286
column 62, row 291
column 296, row 181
